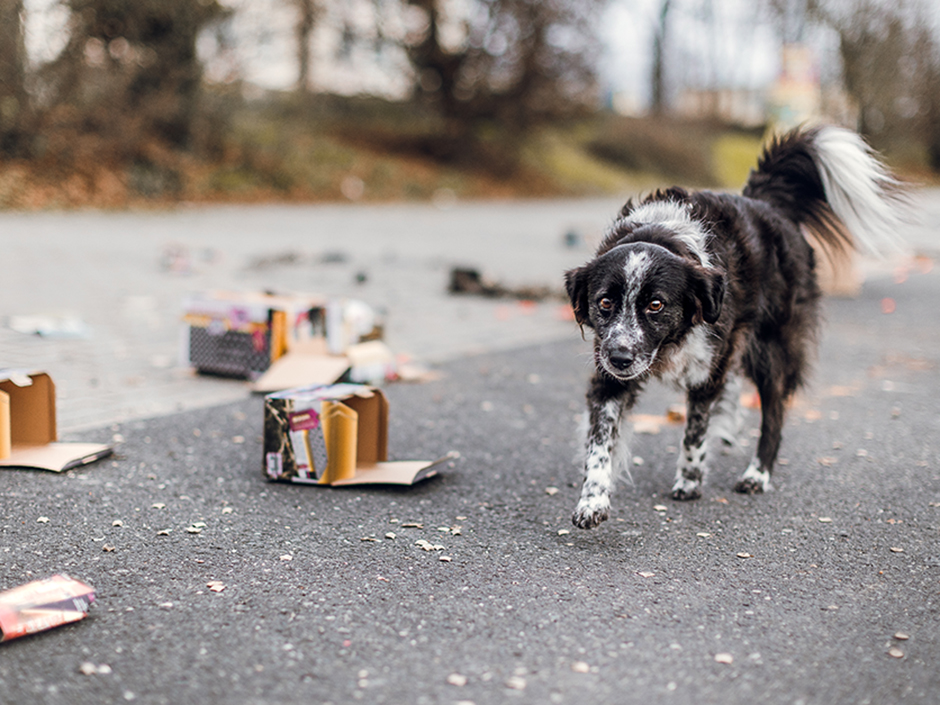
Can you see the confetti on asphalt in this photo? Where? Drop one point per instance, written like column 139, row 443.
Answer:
column 445, row 559
column 164, row 532
column 550, row 491
column 107, row 548
column 412, row 525
column 724, row 658
column 744, row 555
column 646, row 574
column 580, row 667
column 428, row 546
column 660, row 508
column 117, row 522
column 390, row 535
column 825, row 520
column 43, row 520
column 193, row 530
column 563, row 532
column 158, row 505
column 896, row 549
column 457, row 679
column 703, row 534
column 215, row 586
column 287, row 557
column 369, row 538
column 895, row 652
column 901, row 636
column 516, row 683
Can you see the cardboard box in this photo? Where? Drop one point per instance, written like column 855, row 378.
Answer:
column 334, row 435
column 240, row 335
column 43, row 604
column 28, row 436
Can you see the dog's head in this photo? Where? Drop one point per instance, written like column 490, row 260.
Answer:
column 639, row 297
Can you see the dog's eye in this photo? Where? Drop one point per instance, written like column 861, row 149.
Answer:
column 605, row 305
column 655, row 306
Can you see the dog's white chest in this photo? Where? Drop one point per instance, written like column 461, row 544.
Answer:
column 691, row 363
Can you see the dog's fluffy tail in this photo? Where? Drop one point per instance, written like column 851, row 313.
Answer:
column 829, row 180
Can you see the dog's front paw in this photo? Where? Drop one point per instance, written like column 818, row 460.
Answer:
column 685, row 490
column 589, row 513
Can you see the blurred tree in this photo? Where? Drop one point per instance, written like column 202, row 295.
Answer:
column 13, row 98
column 658, row 76
column 133, row 62
column 512, row 61
column 306, row 19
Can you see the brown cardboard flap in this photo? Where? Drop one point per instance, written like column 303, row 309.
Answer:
column 298, row 369
column 402, row 472
column 57, row 457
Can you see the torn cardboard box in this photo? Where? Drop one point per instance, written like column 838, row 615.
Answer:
column 28, row 436
column 334, row 435
column 43, row 604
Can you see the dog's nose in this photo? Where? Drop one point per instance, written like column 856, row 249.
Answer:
column 621, row 359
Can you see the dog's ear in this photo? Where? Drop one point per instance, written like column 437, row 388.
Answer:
column 708, row 285
column 576, row 285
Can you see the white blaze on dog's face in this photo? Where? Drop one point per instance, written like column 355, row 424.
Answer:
column 641, row 299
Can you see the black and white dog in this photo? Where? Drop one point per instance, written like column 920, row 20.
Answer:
column 699, row 288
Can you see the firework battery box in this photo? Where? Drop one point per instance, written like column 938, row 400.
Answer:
column 240, row 335
column 333, row 435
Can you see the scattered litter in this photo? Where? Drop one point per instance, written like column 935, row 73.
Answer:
column 164, row 532
column 412, row 525
column 580, row 667
column 369, row 538
column 827, row 461
column 117, row 522
column 895, row 652
column 227, row 510
column 428, row 546
column 445, row 559
column 215, row 586
column 158, row 505
column 825, row 520
column 901, row 636
column 703, row 534
column 470, row 281
column 457, row 679
column 744, row 555
column 660, row 508
column 725, row 658
column 287, row 557
column 391, row 535
column 563, row 532
column 646, row 574
column 43, row 604
column 107, row 548
column 194, row 529
column 896, row 549
column 50, row 326
column 551, row 491
column 42, row 520
column 90, row 669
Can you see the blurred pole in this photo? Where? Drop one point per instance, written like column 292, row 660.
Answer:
column 659, row 48
column 305, row 23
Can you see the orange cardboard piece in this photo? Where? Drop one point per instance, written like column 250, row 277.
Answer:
column 28, row 426
column 334, row 435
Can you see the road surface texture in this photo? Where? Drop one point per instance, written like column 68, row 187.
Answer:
column 826, row 590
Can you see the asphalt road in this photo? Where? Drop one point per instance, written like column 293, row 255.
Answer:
column 791, row 597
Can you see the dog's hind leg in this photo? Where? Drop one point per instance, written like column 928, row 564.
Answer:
column 606, row 412
column 691, row 467
column 756, row 478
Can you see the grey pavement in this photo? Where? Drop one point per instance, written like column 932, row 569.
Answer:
column 797, row 596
